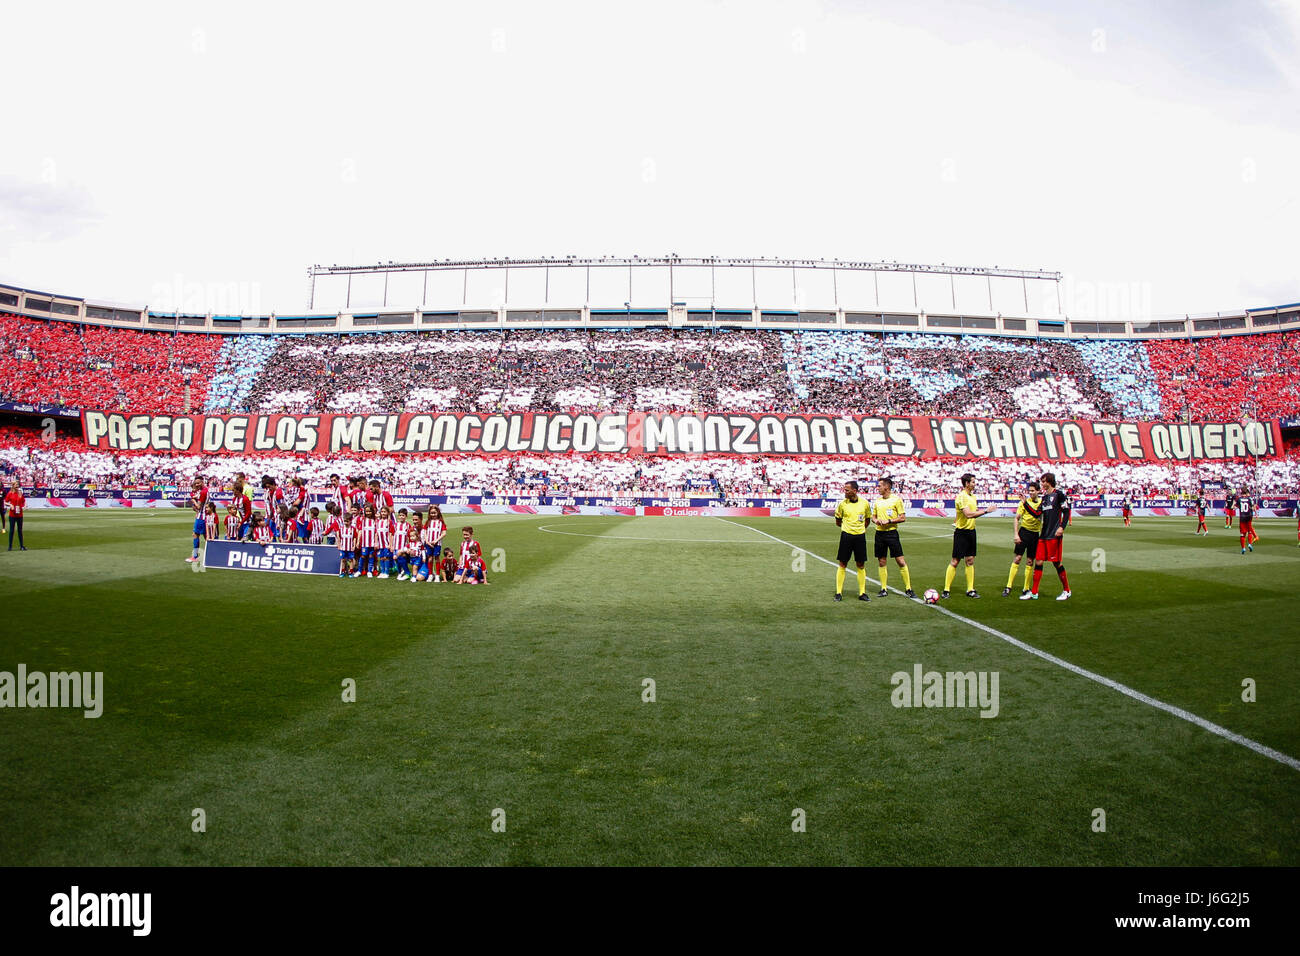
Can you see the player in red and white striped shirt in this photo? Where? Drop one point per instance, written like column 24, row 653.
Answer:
column 297, row 496
column 333, row 524
column 244, row 505
column 346, row 538
column 402, row 545
column 207, row 527
column 273, row 504
column 377, row 496
column 335, row 491
column 211, row 522
column 234, row 521
column 385, row 551
column 471, row 569
column 419, row 564
column 356, row 493
column 261, row 531
column 316, row 528
column 198, row 496
column 368, row 526
column 435, row 529
column 353, row 518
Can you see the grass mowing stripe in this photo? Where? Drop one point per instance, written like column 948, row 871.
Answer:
column 1124, row 689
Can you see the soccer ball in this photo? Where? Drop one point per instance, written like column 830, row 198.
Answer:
column 931, row 596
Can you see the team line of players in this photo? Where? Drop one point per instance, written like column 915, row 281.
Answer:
column 1238, row 502
column 373, row 540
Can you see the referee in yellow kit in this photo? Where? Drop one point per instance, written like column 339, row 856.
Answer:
column 851, row 519
column 963, row 538
column 887, row 513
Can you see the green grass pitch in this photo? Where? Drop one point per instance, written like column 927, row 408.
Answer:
column 222, row 691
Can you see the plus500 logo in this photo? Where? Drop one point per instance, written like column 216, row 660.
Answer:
column 270, row 562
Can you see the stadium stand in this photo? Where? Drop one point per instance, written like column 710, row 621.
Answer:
column 651, row 369
column 969, row 375
column 86, row 366
column 642, row 369
column 238, row 367
column 1222, row 377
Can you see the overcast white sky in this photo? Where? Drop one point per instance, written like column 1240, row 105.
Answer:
column 151, row 147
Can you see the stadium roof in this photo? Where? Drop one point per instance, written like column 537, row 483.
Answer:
column 670, row 261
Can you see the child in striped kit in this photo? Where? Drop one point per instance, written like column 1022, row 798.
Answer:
column 315, row 528
column 368, row 529
column 234, row 521
column 345, row 536
column 385, row 542
column 402, row 546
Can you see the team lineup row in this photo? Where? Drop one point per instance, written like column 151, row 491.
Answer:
column 373, row 540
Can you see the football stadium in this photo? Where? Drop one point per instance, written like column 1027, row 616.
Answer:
column 655, row 652
column 426, row 556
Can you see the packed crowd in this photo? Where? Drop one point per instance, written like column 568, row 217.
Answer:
column 1224, row 377
column 650, row 369
column 911, row 373
column 84, row 366
column 66, row 461
column 505, row 371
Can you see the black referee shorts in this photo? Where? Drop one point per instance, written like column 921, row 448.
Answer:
column 963, row 543
column 852, row 546
column 888, row 544
column 1028, row 543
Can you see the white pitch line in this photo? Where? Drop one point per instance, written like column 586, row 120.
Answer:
column 1127, row 691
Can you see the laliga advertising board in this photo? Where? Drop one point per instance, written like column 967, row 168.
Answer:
column 284, row 558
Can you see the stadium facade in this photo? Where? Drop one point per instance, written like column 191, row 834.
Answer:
column 666, row 292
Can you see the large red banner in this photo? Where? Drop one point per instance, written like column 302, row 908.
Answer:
column 721, row 433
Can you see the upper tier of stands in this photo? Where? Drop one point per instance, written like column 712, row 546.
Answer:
column 650, row 369
column 86, row 366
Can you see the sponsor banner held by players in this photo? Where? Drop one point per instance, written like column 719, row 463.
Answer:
column 280, row 558
column 723, row 433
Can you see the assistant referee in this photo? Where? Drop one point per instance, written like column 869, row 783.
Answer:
column 851, row 519
column 887, row 513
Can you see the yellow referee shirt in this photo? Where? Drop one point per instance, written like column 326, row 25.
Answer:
column 965, row 500
column 888, row 510
column 852, row 515
column 1028, row 521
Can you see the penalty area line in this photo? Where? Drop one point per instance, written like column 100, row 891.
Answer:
column 1115, row 685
